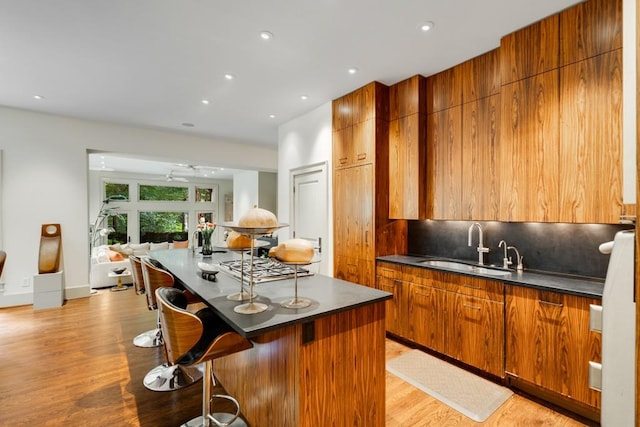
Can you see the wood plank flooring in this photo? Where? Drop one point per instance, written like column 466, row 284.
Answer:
column 76, row 366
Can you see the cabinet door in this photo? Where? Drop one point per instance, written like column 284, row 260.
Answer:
column 427, row 314
column 393, row 321
column 529, row 165
column 355, row 270
column 408, row 167
column 549, row 344
column 591, row 140
column 364, row 142
column 342, row 112
column 444, row 136
column 530, row 51
column 480, row 168
column 475, row 332
column 342, row 147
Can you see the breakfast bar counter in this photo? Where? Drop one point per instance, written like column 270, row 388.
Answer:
column 319, row 365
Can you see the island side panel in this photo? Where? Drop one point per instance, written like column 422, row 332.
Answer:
column 264, row 378
column 337, row 378
column 342, row 370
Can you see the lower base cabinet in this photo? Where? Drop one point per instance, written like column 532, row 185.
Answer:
column 549, row 344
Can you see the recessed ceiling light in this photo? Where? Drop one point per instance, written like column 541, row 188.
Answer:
column 427, row 26
column 266, row 35
column 272, row 116
column 38, row 97
column 304, row 97
column 229, row 76
column 205, row 101
column 188, row 125
column 352, row 70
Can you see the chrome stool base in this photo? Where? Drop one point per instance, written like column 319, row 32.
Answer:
column 222, row 417
column 152, row 338
column 171, row 377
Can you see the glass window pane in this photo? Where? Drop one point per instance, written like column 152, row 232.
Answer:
column 164, row 193
column 208, row 217
column 159, row 227
column 204, row 194
column 114, row 191
column 119, row 226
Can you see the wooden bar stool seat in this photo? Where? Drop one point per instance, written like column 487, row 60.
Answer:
column 153, row 337
column 167, row 376
column 196, row 338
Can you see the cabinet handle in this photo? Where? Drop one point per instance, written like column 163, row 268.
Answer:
column 472, row 287
column 555, row 304
column 342, row 160
column 421, row 294
column 362, row 156
column 473, row 307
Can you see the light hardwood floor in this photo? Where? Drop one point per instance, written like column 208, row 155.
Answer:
column 76, row 366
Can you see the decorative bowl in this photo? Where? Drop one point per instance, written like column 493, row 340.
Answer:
column 118, row 270
column 208, row 268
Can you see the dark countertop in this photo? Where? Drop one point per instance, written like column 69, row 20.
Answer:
column 580, row 286
column 328, row 295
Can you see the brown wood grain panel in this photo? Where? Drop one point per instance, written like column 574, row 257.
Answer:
column 530, row 51
column 481, row 76
column 444, row 89
column 342, row 112
column 408, row 167
column 408, row 97
column 548, row 342
column 395, row 322
column 475, row 332
column 591, row 140
column 342, row 147
column 529, row 153
column 370, row 102
column 364, row 142
column 589, row 29
column 427, row 314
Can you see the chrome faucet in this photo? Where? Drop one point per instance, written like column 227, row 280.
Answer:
column 518, row 258
column 481, row 249
column 506, row 261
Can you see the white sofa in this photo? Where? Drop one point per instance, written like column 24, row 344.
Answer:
column 102, row 263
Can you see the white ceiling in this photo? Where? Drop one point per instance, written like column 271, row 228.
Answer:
column 151, row 62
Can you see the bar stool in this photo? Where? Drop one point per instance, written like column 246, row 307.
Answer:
column 152, row 338
column 168, row 376
column 194, row 338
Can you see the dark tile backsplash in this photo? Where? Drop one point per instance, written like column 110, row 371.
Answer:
column 554, row 247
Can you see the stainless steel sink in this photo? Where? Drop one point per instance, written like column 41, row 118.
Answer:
column 460, row 266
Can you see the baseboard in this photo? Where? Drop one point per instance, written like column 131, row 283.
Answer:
column 76, row 292
column 14, row 300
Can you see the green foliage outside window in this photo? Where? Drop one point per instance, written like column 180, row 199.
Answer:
column 163, row 226
column 112, row 189
column 163, row 193
column 119, row 225
column 204, row 194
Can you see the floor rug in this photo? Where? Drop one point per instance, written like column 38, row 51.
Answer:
column 463, row 391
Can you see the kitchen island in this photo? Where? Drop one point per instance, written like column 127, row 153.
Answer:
column 320, row 365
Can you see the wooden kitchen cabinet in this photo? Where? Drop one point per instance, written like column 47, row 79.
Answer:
column 444, row 137
column 481, row 172
column 549, row 344
column 481, row 76
column 529, row 153
column 408, row 150
column 389, row 279
column 444, row 89
column 590, row 29
column 530, row 51
column 590, row 178
column 427, row 314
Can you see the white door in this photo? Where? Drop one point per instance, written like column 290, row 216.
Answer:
column 310, row 209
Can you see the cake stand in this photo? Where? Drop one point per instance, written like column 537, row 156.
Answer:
column 242, row 295
column 296, row 302
column 252, row 307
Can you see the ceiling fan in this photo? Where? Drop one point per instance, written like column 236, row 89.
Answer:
column 171, row 178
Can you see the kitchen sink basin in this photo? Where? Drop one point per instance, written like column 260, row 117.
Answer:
column 468, row 268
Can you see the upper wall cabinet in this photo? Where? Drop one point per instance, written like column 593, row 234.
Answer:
column 481, row 76
column 444, row 89
column 408, row 149
column 589, row 29
column 530, row 51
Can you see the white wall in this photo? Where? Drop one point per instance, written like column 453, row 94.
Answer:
column 306, row 140
column 245, row 192
column 45, row 180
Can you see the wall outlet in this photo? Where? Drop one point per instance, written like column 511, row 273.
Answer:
column 25, row 282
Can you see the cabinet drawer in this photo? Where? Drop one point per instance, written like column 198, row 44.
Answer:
column 391, row 271
column 480, row 288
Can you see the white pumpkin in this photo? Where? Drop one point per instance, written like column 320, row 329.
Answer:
column 258, row 218
column 236, row 240
column 294, row 250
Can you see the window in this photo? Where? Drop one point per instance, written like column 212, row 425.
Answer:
column 119, row 226
column 204, row 194
column 113, row 190
column 163, row 193
column 159, row 227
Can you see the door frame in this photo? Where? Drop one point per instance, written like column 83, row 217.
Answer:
column 326, row 263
